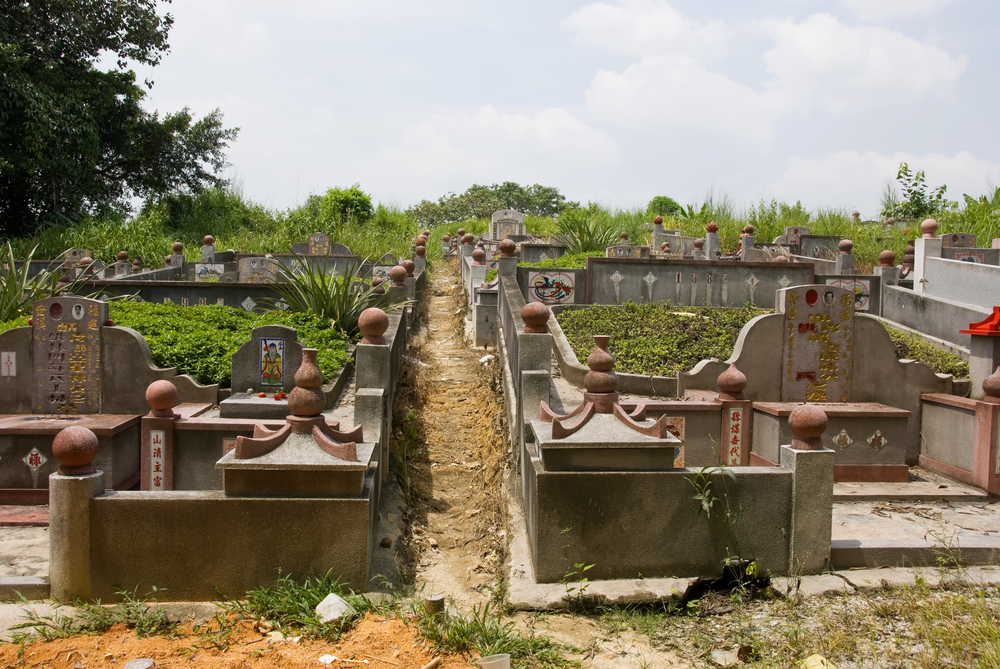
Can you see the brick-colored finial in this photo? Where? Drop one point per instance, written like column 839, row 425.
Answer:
column 928, row 228
column 461, row 232
column 398, row 275
column 731, row 383
column 208, row 240
column 123, row 256
column 845, row 246
column 479, row 257
column 409, row 266
column 991, row 386
column 507, row 248
column 307, row 398
column 373, row 322
column 161, row 396
column 601, row 382
column 887, row 259
column 536, row 317
column 467, row 239
column 178, row 248
column 711, row 227
column 658, row 220
column 420, row 252
column 75, row 448
column 808, row 422
column 699, row 244
column 748, row 229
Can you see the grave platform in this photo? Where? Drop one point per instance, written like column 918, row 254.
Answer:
column 922, row 486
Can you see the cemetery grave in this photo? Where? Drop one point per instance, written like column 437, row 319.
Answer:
column 795, row 425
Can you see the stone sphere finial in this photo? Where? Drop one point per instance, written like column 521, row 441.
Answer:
column 658, row 220
column 601, row 380
column 208, row 240
column 85, row 262
column 427, row 234
column 373, row 322
column 75, row 448
column 421, row 241
column 123, row 256
column 699, row 244
column 479, row 257
column 780, row 259
column 890, row 221
column 178, row 248
column 991, row 386
column 711, row 227
column 807, row 422
column 731, row 383
column 398, row 275
column 480, row 244
column 856, row 215
column 507, row 248
column 887, row 259
column 467, row 239
column 624, row 236
column 409, row 266
column 748, row 229
column 928, row 228
column 161, row 396
column 420, row 252
column 845, row 246
column 167, row 260
column 378, row 288
column 446, row 239
column 536, row 317
column 664, row 247
column 461, row 232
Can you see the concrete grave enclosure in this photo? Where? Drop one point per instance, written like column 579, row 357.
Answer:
column 812, row 394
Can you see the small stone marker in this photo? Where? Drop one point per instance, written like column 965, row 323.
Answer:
column 266, row 363
column 506, row 222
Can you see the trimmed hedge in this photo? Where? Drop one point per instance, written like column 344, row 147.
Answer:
column 200, row 340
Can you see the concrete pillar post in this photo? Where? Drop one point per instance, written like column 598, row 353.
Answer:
column 812, row 491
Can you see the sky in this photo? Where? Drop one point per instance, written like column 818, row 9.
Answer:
column 612, row 102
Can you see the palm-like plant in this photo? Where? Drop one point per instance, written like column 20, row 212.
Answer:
column 339, row 297
column 18, row 289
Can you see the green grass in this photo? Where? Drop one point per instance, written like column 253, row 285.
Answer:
column 911, row 347
column 200, row 340
column 653, row 338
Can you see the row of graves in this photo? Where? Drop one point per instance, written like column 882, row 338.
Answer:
column 145, row 476
column 830, row 404
column 224, row 277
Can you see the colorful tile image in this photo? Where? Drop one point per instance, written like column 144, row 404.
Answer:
column 207, row 271
column 551, row 287
column 272, row 353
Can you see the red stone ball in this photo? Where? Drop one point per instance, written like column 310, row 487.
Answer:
column 421, row 241
column 732, row 381
column 373, row 322
column 807, row 421
column 845, row 246
column 711, row 227
column 467, row 239
column 699, row 243
column 928, row 228
column 208, row 240
column 427, row 234
column 461, row 232
column 536, row 317
column 748, row 229
column 85, row 261
column 421, row 251
column 161, row 395
column 478, row 257
column 624, row 236
column 409, row 266
column 178, row 248
column 507, row 248
column 658, row 220
column 446, row 238
column 122, row 256
column 75, row 449
column 398, row 275
column 887, row 259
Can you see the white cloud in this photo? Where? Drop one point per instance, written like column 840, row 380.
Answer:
column 856, row 180
column 374, row 12
column 878, row 10
column 821, row 61
column 492, row 145
column 646, row 27
column 680, row 91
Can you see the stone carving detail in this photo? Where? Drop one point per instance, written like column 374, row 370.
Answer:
column 616, row 279
column 843, row 440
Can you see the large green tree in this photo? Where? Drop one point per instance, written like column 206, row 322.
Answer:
column 74, row 138
column 480, row 201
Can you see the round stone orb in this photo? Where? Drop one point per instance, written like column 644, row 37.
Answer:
column 699, row 243
column 85, row 261
column 421, row 251
column 845, row 246
column 711, row 227
column 807, row 421
column 373, row 322
column 991, row 384
column 478, row 256
column 887, row 259
column 409, row 266
column 467, row 239
column 507, row 248
column 446, row 238
column 928, row 228
column 161, row 395
column 75, row 449
column 481, row 244
column 427, row 234
column 624, row 236
column 748, row 229
column 397, row 274
column 461, row 232
column 421, row 241
column 122, row 256
column 535, row 316
column 178, row 247
column 306, row 401
column 208, row 240
column 658, row 220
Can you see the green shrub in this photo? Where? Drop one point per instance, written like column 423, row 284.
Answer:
column 911, row 347
column 201, row 340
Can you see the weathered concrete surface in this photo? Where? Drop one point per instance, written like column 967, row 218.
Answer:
column 923, row 486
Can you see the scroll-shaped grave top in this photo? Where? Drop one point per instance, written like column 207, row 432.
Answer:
column 817, row 344
column 66, row 354
column 962, row 240
column 268, row 362
column 258, row 270
column 506, row 222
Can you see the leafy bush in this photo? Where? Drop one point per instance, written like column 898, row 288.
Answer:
column 656, row 339
column 201, row 340
column 911, row 347
column 661, row 205
column 916, row 202
column 595, row 228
